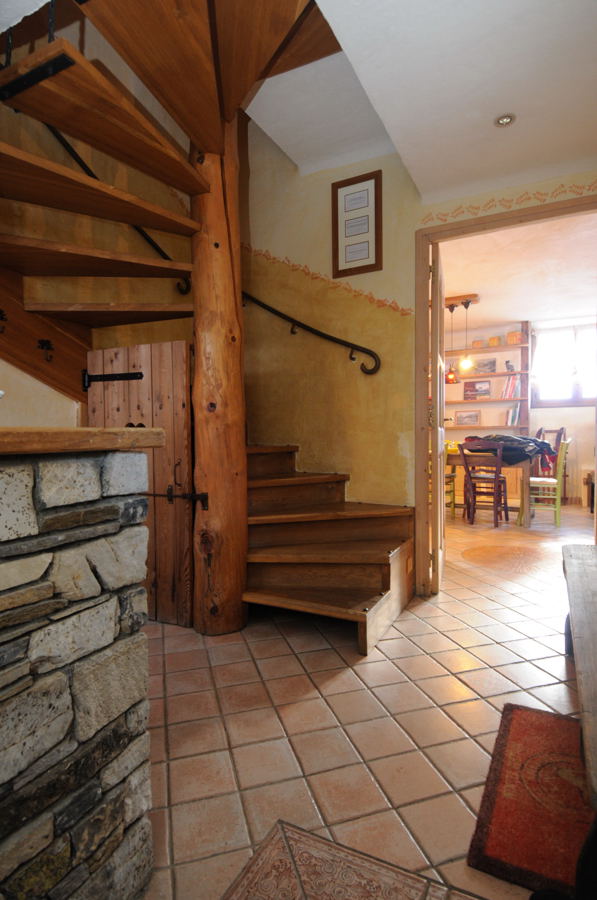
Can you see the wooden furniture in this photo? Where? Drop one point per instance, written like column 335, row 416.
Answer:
column 513, row 382
column 580, row 569
column 454, row 459
column 554, row 436
column 310, row 550
column 450, row 491
column 482, row 461
column 546, row 493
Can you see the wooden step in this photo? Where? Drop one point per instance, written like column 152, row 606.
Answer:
column 295, row 489
column 345, row 521
column 31, row 256
column 33, row 179
column 86, row 104
column 264, row 460
column 374, row 577
column 373, row 613
column 169, row 46
column 345, row 510
column 348, row 552
column 351, row 604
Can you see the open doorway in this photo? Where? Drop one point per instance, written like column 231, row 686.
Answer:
column 466, row 252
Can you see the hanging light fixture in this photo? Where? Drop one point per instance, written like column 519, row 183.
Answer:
column 466, row 363
column 451, row 377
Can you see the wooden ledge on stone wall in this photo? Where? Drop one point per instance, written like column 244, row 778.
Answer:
column 28, row 441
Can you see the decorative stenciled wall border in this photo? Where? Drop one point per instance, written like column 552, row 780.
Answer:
column 317, row 276
column 526, row 198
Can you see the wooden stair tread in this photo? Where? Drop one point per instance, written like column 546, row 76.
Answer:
column 169, row 46
column 322, row 512
column 351, row 604
column 31, row 256
column 272, row 448
column 355, row 552
column 32, row 179
column 292, row 478
column 84, row 103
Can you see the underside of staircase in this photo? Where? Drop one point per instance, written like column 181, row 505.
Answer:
column 313, row 551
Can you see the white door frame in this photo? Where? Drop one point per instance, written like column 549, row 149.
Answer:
column 424, row 238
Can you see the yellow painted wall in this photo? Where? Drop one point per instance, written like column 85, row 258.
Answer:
column 28, row 402
column 301, row 389
column 516, row 197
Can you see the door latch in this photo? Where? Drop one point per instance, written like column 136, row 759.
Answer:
column 202, row 497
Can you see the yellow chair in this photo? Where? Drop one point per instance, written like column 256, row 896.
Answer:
column 546, row 493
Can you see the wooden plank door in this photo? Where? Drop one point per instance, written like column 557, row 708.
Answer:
column 436, row 422
column 161, row 399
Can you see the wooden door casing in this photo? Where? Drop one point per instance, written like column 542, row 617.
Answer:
column 161, row 399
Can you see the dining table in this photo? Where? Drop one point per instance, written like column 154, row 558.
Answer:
column 453, row 458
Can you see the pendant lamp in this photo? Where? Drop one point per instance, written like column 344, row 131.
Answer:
column 451, row 377
column 466, row 363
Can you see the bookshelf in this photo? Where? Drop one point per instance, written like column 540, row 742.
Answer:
column 493, row 397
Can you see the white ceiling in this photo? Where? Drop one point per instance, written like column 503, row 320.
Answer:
column 12, row 11
column 437, row 73
column 546, row 271
column 320, row 116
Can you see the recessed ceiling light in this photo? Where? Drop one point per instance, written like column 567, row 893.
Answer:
column 504, row 119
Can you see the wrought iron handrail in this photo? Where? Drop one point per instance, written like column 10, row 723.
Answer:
column 296, row 324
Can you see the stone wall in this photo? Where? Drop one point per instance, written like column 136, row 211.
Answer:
column 74, row 750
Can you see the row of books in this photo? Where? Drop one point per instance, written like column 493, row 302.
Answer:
column 511, row 389
column 513, row 415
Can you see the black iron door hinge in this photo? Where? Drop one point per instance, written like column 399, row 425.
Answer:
column 112, row 376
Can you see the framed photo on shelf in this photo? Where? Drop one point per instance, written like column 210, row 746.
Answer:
column 465, row 417
column 488, row 365
column 475, row 389
column 356, row 225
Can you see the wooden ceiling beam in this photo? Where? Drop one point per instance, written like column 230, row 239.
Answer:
column 169, row 45
column 248, row 36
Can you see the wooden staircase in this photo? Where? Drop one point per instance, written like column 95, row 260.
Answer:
column 313, row 551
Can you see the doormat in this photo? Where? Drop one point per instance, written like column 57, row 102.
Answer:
column 293, row 864
column 535, row 813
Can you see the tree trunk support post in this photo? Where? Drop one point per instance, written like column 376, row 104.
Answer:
column 220, row 532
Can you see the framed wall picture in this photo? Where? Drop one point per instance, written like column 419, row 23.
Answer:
column 356, row 225
column 489, row 364
column 466, row 417
column 476, row 389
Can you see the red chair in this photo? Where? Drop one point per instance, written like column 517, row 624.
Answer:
column 483, row 479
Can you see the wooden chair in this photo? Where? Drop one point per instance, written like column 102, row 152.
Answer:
column 483, row 479
column 546, row 493
column 450, row 490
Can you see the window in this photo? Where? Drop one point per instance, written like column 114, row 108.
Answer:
column 564, row 371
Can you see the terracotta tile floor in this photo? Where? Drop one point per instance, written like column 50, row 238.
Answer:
column 388, row 753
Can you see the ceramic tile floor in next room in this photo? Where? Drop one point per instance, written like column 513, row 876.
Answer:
column 387, row 753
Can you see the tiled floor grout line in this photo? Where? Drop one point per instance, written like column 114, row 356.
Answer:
column 529, row 598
